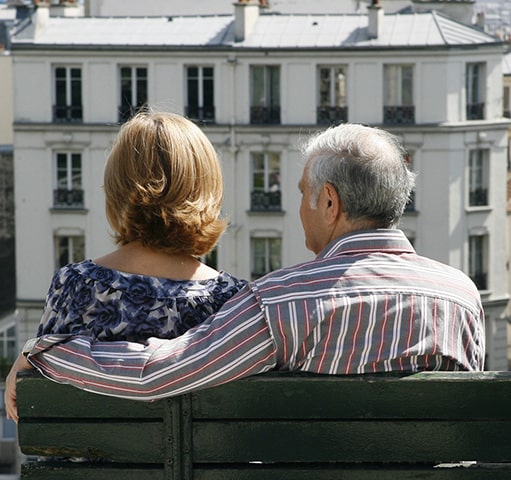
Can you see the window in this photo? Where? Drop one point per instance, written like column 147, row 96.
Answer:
column 475, row 87
column 266, row 255
column 68, row 95
column 133, row 91
column 265, row 191
column 478, row 260
column 332, row 107
column 200, row 93
column 506, row 103
column 398, row 94
column 69, row 249
column 265, row 95
column 68, row 191
column 478, row 178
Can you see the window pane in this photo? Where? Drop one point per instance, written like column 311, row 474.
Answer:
column 407, row 85
column 78, row 249
column 193, row 92
column 208, row 100
column 275, row 254
column 62, row 171
column 274, row 171
column 324, row 87
column 76, row 87
column 390, row 85
column 258, row 255
column 257, row 87
column 126, row 87
column 76, row 170
column 62, row 254
column 141, row 86
column 274, row 86
column 340, row 88
column 61, row 86
column 257, row 171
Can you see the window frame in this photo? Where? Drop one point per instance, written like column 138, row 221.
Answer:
column 204, row 109
column 397, row 108
column 332, row 110
column 478, row 260
column 478, row 186
column 72, row 249
column 270, row 263
column 267, row 197
column 266, row 110
column 137, row 100
column 68, row 100
column 70, row 195
column 475, row 90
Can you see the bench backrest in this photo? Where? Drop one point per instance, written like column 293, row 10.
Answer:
column 275, row 426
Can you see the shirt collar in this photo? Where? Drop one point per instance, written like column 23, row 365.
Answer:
column 364, row 241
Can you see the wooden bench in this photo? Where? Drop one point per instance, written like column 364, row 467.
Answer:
column 276, row 427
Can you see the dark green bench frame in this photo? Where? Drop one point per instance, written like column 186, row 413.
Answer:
column 276, row 427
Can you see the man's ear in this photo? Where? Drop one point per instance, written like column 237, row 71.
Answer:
column 333, row 203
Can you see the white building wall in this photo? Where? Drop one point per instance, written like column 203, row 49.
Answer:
column 440, row 142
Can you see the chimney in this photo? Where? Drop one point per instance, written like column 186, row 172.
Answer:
column 41, row 15
column 246, row 13
column 375, row 19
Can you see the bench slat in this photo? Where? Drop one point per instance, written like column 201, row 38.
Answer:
column 380, row 472
column 88, row 471
column 117, row 441
column 351, row 441
column 41, row 398
column 462, row 395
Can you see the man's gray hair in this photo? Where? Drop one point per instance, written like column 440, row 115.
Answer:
column 366, row 166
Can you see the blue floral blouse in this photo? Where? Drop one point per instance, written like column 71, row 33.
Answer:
column 88, row 299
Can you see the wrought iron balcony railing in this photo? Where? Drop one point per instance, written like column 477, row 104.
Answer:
column 265, row 115
column 67, row 113
column 261, row 201
column 332, row 115
column 399, row 114
column 63, row 198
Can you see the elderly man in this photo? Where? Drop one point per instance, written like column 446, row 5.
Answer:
column 367, row 302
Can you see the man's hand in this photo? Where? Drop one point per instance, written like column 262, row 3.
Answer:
column 11, row 407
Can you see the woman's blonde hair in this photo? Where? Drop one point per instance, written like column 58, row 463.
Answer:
column 163, row 185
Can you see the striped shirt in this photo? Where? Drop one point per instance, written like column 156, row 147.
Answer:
column 367, row 303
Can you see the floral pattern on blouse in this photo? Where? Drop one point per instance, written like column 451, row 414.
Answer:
column 88, row 299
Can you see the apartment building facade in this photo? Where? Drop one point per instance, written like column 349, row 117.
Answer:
column 259, row 84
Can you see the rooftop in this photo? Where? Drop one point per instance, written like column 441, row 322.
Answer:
column 296, row 31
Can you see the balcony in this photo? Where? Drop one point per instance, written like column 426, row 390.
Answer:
column 331, row 115
column 200, row 114
column 399, row 114
column 67, row 113
column 63, row 198
column 265, row 201
column 478, row 197
column 265, row 115
column 475, row 111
